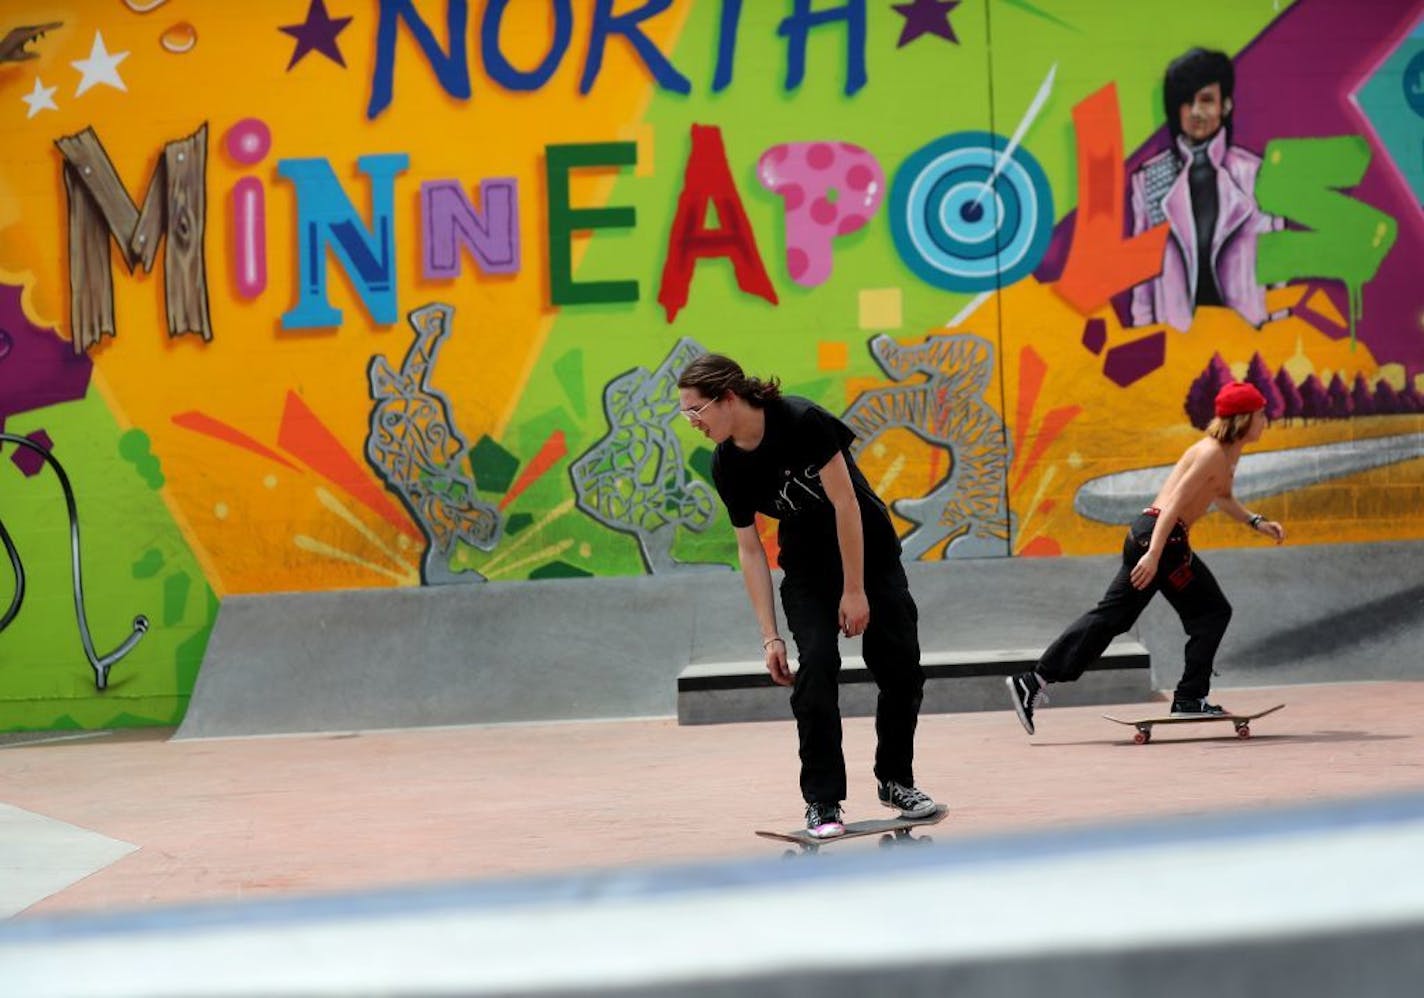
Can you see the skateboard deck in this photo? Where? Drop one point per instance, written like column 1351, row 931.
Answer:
column 1242, row 722
column 894, row 830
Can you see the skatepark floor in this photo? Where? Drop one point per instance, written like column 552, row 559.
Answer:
column 240, row 818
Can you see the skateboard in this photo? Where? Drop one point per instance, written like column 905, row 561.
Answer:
column 1242, row 722
column 893, row 831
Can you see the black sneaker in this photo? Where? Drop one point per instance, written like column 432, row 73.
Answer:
column 1028, row 693
column 1190, row 708
column 912, row 803
column 823, row 821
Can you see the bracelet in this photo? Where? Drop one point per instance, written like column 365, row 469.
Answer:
column 767, row 643
column 1255, row 520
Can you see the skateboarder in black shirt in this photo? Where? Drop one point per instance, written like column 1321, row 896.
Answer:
column 789, row 459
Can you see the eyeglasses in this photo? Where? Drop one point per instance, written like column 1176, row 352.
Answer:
column 695, row 414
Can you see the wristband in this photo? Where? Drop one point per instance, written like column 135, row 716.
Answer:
column 1255, row 520
column 767, row 643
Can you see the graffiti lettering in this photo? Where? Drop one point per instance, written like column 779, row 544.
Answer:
column 451, row 62
column 248, row 142
column 450, row 221
column 1348, row 239
column 709, row 181
column 565, row 219
column 174, row 208
column 967, row 214
column 830, row 189
column 326, row 219
column 1101, row 262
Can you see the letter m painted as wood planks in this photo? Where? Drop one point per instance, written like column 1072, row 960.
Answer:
column 175, row 206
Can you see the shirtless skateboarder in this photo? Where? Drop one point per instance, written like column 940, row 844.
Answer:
column 1156, row 557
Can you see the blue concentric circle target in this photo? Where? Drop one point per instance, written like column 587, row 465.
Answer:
column 962, row 228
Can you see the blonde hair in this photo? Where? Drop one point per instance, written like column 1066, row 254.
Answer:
column 1229, row 429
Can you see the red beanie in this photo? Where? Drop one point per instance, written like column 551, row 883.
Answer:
column 1238, row 398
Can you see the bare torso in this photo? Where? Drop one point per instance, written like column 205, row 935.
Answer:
column 1202, row 475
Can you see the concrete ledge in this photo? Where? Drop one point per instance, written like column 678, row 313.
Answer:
column 565, row 649
column 728, row 692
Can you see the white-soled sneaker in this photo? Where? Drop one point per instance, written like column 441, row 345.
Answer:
column 824, row 821
column 1196, row 708
column 910, row 802
column 1029, row 695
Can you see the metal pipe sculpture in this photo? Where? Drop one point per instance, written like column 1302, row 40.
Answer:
column 100, row 663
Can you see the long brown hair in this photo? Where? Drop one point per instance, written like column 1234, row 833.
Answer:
column 713, row 375
column 1229, row 429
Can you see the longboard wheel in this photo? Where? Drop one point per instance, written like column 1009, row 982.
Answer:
column 1142, row 737
column 1244, row 731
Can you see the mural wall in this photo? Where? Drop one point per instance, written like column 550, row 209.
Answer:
column 322, row 294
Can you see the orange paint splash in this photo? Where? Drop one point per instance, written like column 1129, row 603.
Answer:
column 304, row 435
column 200, row 422
column 554, row 448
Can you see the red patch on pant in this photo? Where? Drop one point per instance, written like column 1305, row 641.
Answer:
column 1181, row 576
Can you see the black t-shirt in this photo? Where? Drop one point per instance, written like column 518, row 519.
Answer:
column 781, row 478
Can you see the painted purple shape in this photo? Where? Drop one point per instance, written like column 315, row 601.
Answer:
column 1095, row 335
column 317, row 34
column 39, row 367
column 449, row 221
column 1294, row 80
column 1130, row 361
column 30, row 463
column 926, row 17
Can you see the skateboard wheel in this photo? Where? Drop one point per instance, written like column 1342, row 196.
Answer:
column 789, row 854
column 1142, row 737
column 925, row 840
column 886, row 841
column 1244, row 731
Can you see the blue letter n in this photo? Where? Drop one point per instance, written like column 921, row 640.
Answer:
column 325, row 217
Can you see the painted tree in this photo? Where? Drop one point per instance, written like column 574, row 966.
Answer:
column 1314, row 403
column 1200, row 405
column 1338, row 405
column 1410, row 400
column 1290, row 395
column 1258, row 375
column 1386, row 398
column 1362, row 397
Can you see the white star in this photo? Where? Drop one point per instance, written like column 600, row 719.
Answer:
column 101, row 67
column 40, row 99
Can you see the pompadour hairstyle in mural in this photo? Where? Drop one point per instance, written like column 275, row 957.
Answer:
column 1204, row 187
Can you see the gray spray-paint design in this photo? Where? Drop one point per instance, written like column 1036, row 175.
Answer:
column 946, row 409
column 416, row 449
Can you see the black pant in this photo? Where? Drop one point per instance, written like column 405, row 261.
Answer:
column 1189, row 586
column 891, row 647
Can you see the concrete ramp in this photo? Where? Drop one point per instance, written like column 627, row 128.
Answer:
column 610, row 648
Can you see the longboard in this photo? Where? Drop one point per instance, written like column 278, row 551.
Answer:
column 894, row 830
column 1242, row 722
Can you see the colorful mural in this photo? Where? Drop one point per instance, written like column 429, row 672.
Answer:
column 430, row 269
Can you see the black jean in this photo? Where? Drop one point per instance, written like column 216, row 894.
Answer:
column 891, row 648
column 1187, row 584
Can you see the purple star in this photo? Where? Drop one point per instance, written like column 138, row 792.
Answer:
column 317, row 33
column 925, row 17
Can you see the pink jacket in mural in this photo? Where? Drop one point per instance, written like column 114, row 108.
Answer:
column 1160, row 193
